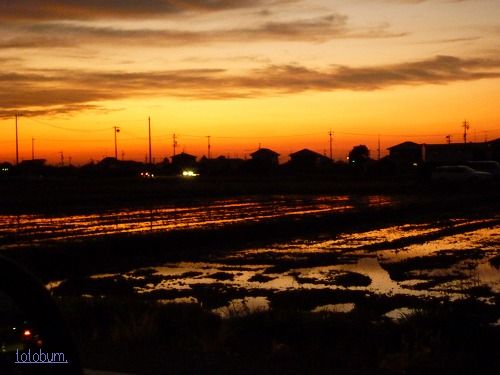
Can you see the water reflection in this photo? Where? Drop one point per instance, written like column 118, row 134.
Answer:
column 400, row 313
column 244, row 306
column 451, row 266
column 19, row 229
column 335, row 308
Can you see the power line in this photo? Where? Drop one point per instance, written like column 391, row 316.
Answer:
column 253, row 137
column 65, row 128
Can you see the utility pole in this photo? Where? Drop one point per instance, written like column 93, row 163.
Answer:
column 330, row 134
column 32, row 148
column 62, row 158
column 448, row 138
column 378, row 149
column 466, row 127
column 149, row 131
column 174, row 142
column 117, row 130
column 17, row 141
column 208, row 147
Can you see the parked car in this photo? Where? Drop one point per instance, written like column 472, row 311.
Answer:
column 489, row 166
column 459, row 173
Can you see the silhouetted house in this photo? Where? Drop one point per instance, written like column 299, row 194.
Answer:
column 34, row 166
column 111, row 166
column 183, row 160
column 34, row 163
column 265, row 156
column 406, row 153
column 456, row 153
column 220, row 165
column 263, row 160
column 306, row 160
column 109, row 162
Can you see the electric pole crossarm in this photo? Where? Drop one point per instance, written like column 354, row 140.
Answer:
column 466, row 127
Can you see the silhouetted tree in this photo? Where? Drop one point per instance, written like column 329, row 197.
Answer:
column 359, row 155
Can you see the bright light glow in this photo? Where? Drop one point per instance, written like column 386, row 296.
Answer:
column 27, row 332
column 189, row 173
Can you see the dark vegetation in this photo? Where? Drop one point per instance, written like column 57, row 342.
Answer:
column 149, row 338
column 399, row 271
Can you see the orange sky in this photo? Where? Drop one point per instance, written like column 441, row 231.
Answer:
column 278, row 73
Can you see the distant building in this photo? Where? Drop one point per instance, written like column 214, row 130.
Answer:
column 307, row 160
column 183, row 160
column 221, row 165
column 406, row 153
column 265, row 156
column 452, row 153
column 109, row 162
column 113, row 166
column 34, row 163
column 455, row 153
column 32, row 167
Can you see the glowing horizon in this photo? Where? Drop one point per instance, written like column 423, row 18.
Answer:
column 278, row 73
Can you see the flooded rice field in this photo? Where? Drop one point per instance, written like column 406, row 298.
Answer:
column 18, row 230
column 449, row 259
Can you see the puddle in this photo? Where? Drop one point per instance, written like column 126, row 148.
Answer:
column 242, row 307
column 400, row 313
column 451, row 267
column 335, row 308
column 178, row 300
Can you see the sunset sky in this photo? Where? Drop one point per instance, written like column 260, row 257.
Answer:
column 280, row 73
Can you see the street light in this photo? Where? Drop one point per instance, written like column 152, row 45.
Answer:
column 17, row 141
column 117, row 130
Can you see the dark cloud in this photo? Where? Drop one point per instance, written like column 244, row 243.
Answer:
column 452, row 40
column 53, row 110
column 420, row 1
column 114, row 9
column 318, row 29
column 70, row 89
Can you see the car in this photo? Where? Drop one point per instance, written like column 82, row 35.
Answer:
column 459, row 173
column 489, row 166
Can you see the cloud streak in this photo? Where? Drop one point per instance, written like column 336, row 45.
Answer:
column 71, row 90
column 318, row 29
column 118, row 9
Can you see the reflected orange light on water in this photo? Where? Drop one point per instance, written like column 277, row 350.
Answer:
column 18, row 230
